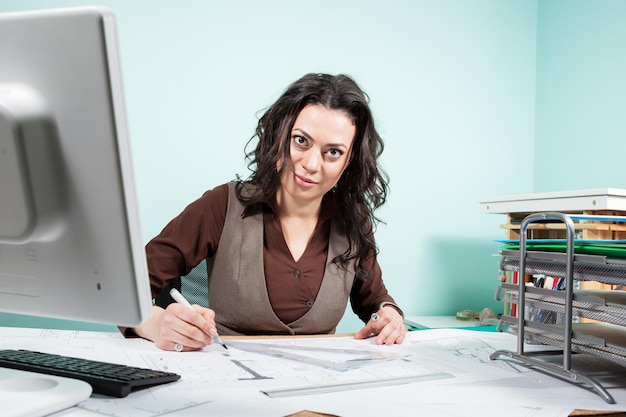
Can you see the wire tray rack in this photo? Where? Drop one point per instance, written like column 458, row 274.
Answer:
column 586, row 267
column 599, row 339
column 601, row 305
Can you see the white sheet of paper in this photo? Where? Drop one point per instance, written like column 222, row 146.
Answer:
column 230, row 382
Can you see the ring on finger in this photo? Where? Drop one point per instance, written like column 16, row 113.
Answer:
column 178, row 347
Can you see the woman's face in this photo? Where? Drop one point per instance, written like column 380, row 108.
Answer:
column 320, row 149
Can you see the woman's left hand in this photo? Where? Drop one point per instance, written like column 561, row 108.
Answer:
column 387, row 325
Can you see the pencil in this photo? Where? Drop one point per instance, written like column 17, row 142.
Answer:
column 178, row 297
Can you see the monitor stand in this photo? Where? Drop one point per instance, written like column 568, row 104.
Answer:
column 31, row 394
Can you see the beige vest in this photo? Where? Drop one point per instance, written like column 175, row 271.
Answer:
column 237, row 290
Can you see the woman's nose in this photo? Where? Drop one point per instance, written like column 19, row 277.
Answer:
column 311, row 160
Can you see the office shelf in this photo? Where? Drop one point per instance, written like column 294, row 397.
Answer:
column 573, row 319
column 600, row 201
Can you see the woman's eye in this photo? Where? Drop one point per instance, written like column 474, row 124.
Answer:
column 300, row 140
column 335, row 153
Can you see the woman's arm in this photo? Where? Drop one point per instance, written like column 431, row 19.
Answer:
column 378, row 310
column 185, row 241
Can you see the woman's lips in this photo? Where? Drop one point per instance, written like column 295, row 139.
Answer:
column 304, row 182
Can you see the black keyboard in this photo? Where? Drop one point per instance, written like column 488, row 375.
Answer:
column 105, row 378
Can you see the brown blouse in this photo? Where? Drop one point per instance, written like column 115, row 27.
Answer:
column 291, row 285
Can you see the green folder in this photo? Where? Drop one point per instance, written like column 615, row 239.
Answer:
column 613, row 248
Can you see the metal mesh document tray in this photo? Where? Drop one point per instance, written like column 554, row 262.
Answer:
column 586, row 267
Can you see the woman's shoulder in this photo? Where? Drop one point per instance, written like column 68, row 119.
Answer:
column 219, row 192
column 228, row 193
column 211, row 201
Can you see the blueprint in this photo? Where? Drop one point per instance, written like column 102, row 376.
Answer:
column 441, row 372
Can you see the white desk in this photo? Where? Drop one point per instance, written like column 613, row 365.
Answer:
column 216, row 382
column 438, row 322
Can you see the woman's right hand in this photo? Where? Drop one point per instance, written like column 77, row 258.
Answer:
column 179, row 325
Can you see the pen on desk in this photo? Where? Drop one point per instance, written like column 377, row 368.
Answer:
column 178, row 297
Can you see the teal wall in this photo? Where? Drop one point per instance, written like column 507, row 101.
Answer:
column 452, row 86
column 581, row 95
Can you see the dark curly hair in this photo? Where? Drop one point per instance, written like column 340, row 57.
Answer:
column 363, row 186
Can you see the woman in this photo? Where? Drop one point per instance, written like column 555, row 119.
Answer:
column 292, row 244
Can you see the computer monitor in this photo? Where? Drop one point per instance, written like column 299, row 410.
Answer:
column 70, row 241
